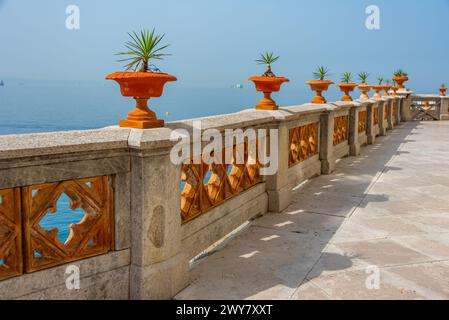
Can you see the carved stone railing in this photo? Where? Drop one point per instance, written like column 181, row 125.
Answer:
column 428, row 107
column 206, row 186
column 10, row 234
column 303, row 143
column 64, row 200
column 91, row 236
column 23, row 210
column 141, row 217
column 341, row 129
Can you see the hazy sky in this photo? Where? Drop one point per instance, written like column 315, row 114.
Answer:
column 214, row 42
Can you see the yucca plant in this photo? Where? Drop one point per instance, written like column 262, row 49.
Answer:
column 321, row 73
column 400, row 73
column 380, row 80
column 142, row 48
column 347, row 77
column 267, row 58
column 363, row 76
column 443, row 85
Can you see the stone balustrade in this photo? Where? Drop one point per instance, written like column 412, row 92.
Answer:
column 146, row 217
column 429, row 107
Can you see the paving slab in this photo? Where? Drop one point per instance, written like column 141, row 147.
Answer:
column 376, row 228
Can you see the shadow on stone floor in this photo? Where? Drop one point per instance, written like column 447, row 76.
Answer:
column 277, row 252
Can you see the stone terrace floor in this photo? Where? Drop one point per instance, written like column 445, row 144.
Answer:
column 388, row 207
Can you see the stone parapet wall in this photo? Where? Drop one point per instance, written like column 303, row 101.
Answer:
column 141, row 239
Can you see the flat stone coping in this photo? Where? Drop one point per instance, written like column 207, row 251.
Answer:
column 49, row 143
column 114, row 137
column 432, row 96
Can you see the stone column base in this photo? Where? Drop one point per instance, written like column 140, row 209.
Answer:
column 159, row 281
column 354, row 149
column 278, row 200
column 327, row 166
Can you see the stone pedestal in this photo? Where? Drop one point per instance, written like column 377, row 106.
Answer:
column 389, row 110
column 159, row 269
column 382, row 122
column 278, row 186
column 326, row 142
column 354, row 145
column 370, row 134
column 444, row 108
column 396, row 115
column 406, row 105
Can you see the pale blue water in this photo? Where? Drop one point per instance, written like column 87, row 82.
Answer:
column 62, row 218
column 39, row 106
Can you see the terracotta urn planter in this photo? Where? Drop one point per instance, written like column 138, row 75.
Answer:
column 347, row 88
column 319, row 86
column 364, row 89
column 267, row 85
column 387, row 88
column 443, row 91
column 395, row 89
column 400, row 81
column 141, row 86
column 377, row 89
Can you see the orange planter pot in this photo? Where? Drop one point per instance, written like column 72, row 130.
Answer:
column 443, row 91
column 319, row 86
column 347, row 88
column 267, row 85
column 400, row 81
column 387, row 89
column 395, row 89
column 364, row 89
column 141, row 86
column 377, row 89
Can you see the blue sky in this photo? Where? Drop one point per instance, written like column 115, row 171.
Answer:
column 214, row 43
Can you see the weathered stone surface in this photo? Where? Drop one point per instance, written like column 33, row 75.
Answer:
column 397, row 223
column 209, row 228
column 111, row 285
column 28, row 145
column 162, row 280
column 122, row 206
column 40, row 173
column 155, row 182
column 41, row 284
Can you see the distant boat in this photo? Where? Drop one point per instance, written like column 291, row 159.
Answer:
column 238, row 86
column 2, row 83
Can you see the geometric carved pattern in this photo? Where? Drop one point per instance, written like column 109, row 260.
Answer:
column 91, row 236
column 205, row 186
column 376, row 115
column 10, row 234
column 340, row 129
column 303, row 143
column 362, row 121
